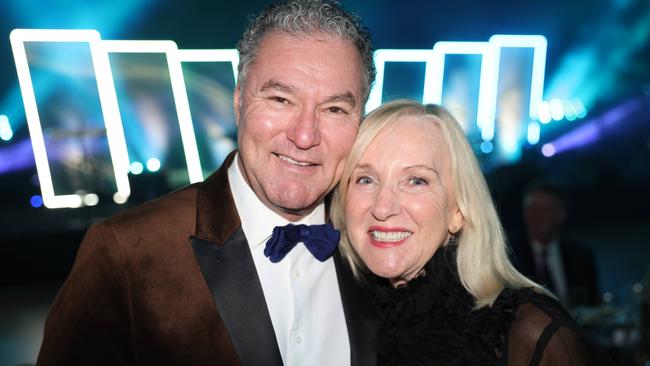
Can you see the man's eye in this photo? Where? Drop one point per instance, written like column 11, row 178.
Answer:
column 278, row 99
column 337, row 110
column 364, row 180
column 417, row 181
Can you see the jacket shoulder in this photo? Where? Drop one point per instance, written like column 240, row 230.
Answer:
column 177, row 208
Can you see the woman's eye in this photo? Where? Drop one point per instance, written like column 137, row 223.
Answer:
column 417, row 181
column 364, row 180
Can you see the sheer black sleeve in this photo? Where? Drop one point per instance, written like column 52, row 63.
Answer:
column 543, row 333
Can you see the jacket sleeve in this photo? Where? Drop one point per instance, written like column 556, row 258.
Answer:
column 90, row 321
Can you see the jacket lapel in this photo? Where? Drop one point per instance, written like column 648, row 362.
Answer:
column 227, row 265
column 360, row 316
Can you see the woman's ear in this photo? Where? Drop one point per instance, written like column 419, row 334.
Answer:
column 456, row 223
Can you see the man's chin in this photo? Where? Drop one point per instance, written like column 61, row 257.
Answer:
column 296, row 207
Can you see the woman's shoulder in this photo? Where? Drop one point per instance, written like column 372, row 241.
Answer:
column 544, row 333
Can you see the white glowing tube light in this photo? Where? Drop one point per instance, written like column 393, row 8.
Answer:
column 434, row 78
column 228, row 55
column 387, row 55
column 178, row 89
column 538, row 44
column 433, row 84
column 18, row 37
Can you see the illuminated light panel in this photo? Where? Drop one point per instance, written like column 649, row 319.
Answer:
column 539, row 45
column 178, row 90
column 434, row 77
column 548, row 150
column 112, row 118
column 18, row 37
column 533, row 133
column 228, row 55
column 388, row 55
column 434, row 59
column 136, row 168
column 153, row 165
column 490, row 76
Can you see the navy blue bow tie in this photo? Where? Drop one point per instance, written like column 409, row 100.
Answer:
column 320, row 240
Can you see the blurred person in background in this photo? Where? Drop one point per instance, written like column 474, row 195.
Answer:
column 546, row 256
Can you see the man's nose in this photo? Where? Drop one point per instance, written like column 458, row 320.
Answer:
column 304, row 131
column 386, row 203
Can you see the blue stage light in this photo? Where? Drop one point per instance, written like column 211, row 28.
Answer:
column 581, row 111
column 6, row 133
column 153, row 165
column 533, row 133
column 136, row 168
column 36, row 201
column 548, row 150
column 569, row 111
column 557, row 110
column 486, row 147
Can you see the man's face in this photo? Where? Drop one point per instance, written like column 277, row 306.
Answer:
column 298, row 115
column 544, row 216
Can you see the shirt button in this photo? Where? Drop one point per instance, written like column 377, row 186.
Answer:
column 296, row 273
column 298, row 339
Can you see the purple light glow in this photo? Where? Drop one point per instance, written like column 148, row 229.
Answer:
column 593, row 130
column 17, row 156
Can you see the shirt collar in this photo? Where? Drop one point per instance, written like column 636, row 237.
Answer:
column 551, row 248
column 257, row 220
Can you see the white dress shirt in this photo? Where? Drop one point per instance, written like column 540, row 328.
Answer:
column 554, row 265
column 302, row 293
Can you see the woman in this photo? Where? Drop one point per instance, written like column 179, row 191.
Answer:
column 414, row 209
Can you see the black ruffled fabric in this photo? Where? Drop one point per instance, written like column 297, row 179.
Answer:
column 430, row 320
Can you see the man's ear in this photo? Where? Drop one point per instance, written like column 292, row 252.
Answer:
column 235, row 102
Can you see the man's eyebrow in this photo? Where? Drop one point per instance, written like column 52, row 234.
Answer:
column 346, row 97
column 274, row 84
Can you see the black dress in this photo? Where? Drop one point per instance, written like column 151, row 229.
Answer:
column 430, row 321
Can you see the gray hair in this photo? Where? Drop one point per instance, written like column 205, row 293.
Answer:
column 301, row 18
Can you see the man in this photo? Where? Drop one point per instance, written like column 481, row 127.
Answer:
column 184, row 279
column 566, row 268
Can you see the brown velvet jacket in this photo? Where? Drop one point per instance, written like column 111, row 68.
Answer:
column 172, row 282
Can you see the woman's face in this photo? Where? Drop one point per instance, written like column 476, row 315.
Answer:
column 400, row 207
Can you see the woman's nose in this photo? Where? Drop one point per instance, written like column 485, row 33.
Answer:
column 386, row 204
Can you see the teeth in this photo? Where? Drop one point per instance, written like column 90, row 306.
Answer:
column 289, row 160
column 390, row 236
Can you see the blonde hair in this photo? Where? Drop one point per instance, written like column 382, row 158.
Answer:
column 482, row 258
